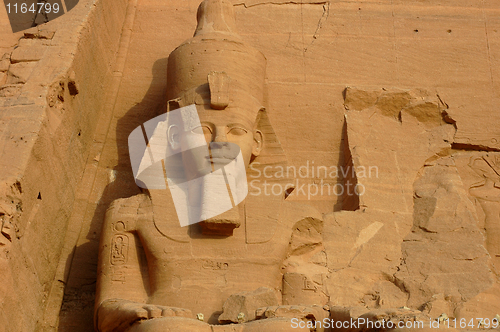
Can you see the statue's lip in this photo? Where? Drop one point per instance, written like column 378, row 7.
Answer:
column 219, row 159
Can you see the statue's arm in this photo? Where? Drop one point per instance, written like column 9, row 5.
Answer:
column 120, row 295
column 304, row 270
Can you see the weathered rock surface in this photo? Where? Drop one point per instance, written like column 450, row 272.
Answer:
column 444, row 253
column 414, row 240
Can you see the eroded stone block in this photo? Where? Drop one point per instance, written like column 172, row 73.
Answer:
column 242, row 306
column 19, row 73
column 28, row 50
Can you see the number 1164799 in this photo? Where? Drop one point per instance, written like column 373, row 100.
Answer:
column 40, row 8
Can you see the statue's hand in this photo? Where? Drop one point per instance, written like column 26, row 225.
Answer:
column 313, row 312
column 118, row 314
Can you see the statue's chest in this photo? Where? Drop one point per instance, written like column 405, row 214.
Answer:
column 262, row 237
column 213, row 253
column 220, row 262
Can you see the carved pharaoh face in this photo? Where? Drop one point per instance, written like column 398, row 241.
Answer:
column 226, row 132
column 230, row 127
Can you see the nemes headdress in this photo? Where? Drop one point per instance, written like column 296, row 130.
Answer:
column 216, row 68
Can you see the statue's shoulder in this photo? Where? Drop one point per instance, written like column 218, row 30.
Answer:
column 306, row 227
column 295, row 212
column 130, row 210
column 266, row 218
column 136, row 201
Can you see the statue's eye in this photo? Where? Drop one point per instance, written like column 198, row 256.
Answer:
column 207, row 131
column 197, row 130
column 237, row 131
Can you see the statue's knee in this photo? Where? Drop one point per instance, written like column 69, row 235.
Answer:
column 164, row 324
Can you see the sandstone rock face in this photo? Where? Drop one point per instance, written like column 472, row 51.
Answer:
column 47, row 133
column 421, row 133
column 414, row 240
column 445, row 245
column 371, row 237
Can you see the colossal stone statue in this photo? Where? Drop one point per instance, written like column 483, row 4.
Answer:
column 252, row 268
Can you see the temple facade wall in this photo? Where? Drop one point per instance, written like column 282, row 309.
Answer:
column 54, row 83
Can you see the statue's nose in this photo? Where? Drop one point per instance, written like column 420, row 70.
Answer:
column 220, row 135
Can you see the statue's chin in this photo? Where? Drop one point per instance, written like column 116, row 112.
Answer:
column 223, row 224
column 162, row 324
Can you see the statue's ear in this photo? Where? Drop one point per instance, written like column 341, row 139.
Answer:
column 173, row 131
column 258, row 142
column 258, row 136
column 173, row 136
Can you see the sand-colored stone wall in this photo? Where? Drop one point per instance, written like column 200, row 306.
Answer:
column 314, row 51
column 52, row 98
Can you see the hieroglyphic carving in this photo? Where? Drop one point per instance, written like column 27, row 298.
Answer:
column 120, row 226
column 215, row 265
column 119, row 249
column 118, row 273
